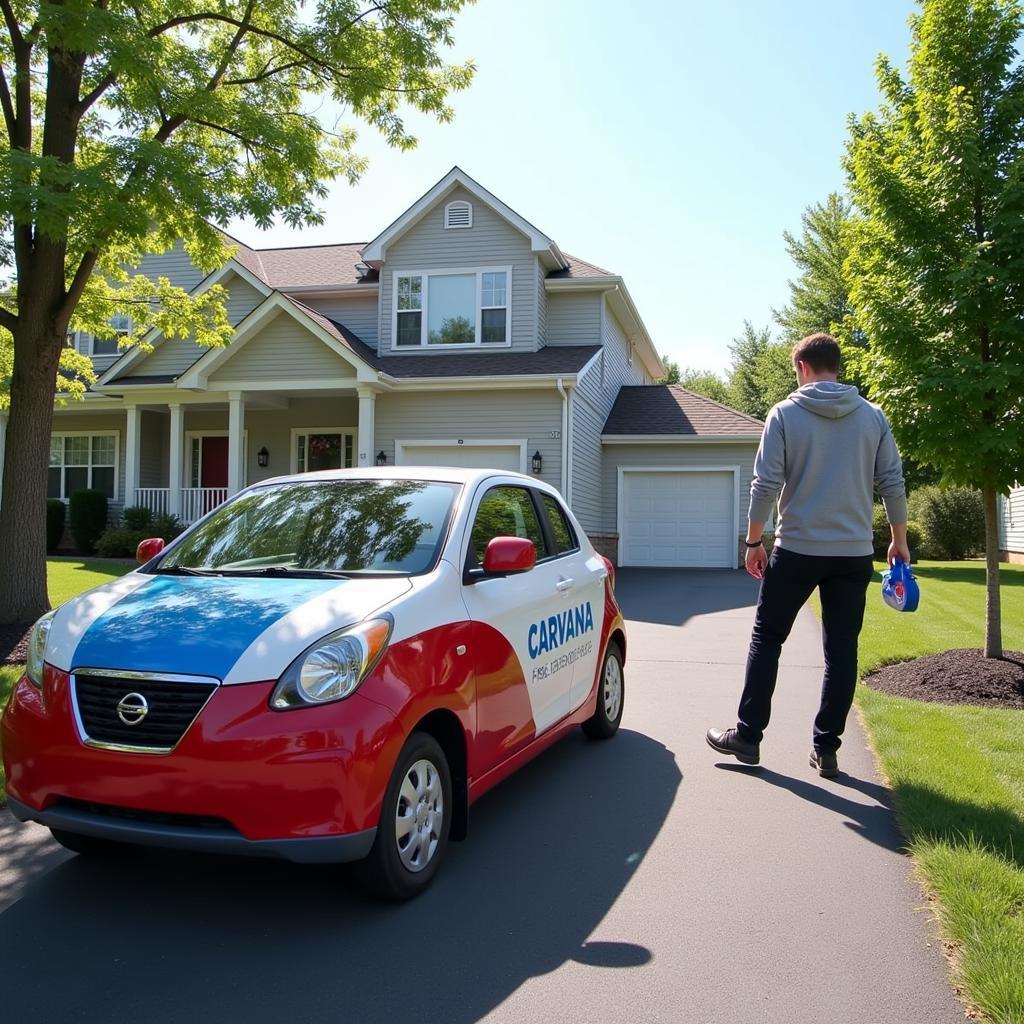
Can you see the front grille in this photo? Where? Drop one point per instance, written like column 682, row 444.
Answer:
column 107, row 811
column 172, row 706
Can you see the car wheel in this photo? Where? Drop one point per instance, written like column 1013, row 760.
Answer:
column 611, row 693
column 88, row 846
column 415, row 821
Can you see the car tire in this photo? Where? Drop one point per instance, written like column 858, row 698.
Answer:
column 611, row 694
column 88, row 846
column 415, row 821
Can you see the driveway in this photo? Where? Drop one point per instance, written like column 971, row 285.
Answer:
column 639, row 880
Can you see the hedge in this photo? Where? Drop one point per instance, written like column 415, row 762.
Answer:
column 56, row 515
column 88, row 511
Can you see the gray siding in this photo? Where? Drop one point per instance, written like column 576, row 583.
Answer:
column 587, row 490
column 356, row 312
column 1011, row 521
column 283, row 350
column 154, row 437
column 542, row 306
column 490, row 242
column 443, row 416
column 175, row 265
column 618, row 367
column 175, row 355
column 574, row 318
column 689, row 454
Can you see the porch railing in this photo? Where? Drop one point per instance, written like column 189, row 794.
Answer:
column 195, row 501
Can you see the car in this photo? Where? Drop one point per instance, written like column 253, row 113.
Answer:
column 331, row 666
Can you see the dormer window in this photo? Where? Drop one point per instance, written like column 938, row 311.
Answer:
column 452, row 308
column 458, row 214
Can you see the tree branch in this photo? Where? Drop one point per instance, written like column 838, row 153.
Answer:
column 13, row 28
column 8, row 319
column 91, row 97
column 8, row 106
column 268, row 72
column 232, row 47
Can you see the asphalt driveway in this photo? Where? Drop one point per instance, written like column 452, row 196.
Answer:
column 632, row 881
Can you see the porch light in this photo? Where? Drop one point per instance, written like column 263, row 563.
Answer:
column 537, row 462
column 382, row 459
column 263, row 457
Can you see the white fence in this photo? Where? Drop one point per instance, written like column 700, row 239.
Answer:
column 195, row 501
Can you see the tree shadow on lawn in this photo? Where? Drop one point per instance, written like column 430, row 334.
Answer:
column 968, row 572
column 163, row 938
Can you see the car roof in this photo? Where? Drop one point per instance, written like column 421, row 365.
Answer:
column 443, row 474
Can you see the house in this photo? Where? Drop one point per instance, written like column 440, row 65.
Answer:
column 1011, row 526
column 460, row 335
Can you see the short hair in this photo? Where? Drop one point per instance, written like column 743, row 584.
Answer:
column 819, row 351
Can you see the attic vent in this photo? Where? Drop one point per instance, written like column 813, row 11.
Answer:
column 458, row 214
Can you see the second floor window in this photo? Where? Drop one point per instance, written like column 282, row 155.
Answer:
column 122, row 325
column 466, row 307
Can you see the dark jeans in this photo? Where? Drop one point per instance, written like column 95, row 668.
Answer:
column 789, row 580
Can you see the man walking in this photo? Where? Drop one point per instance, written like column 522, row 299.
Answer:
column 824, row 448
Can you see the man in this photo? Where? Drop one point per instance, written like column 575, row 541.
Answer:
column 824, row 448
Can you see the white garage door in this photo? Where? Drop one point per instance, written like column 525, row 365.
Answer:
column 470, row 456
column 678, row 519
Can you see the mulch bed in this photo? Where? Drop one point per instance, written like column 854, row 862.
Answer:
column 14, row 643
column 960, row 676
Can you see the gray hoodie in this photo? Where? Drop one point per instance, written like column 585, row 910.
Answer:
column 825, row 448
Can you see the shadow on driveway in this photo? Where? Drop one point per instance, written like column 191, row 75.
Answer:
column 670, row 597
column 157, row 937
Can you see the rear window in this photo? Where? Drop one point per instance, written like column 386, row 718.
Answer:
column 561, row 528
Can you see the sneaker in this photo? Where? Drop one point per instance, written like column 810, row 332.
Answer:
column 826, row 763
column 729, row 741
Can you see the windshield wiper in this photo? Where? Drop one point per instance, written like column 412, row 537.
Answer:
column 282, row 571
column 184, row 570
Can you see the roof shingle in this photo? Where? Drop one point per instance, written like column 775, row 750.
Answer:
column 663, row 409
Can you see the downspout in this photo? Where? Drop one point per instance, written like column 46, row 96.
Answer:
column 566, row 487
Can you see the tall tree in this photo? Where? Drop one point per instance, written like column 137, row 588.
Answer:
column 761, row 373
column 671, row 371
column 131, row 125
column 706, row 383
column 937, row 251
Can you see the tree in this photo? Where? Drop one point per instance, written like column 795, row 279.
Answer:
column 937, row 252
column 671, row 371
column 706, row 383
column 761, row 373
column 819, row 298
column 129, row 126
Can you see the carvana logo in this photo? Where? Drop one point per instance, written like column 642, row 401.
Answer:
column 556, row 630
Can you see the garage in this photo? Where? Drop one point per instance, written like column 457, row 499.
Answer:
column 678, row 516
column 466, row 453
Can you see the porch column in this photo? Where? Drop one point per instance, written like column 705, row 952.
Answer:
column 175, row 469
column 236, row 442
column 367, row 402
column 3, row 449
column 132, row 439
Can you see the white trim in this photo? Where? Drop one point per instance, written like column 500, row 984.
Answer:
column 296, row 432
column 424, row 310
column 620, row 488
column 186, row 461
column 680, row 439
column 115, row 434
column 460, row 203
column 492, row 383
column 475, row 442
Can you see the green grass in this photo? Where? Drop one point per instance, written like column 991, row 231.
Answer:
column 65, row 577
column 957, row 777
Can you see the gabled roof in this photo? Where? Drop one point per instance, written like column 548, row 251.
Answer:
column 669, row 409
column 545, row 247
column 578, row 268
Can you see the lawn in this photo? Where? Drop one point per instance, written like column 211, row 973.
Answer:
column 65, row 578
column 957, row 777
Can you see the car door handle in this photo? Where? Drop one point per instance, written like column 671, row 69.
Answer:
column 563, row 584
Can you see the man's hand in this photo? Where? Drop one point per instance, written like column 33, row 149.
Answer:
column 756, row 561
column 899, row 547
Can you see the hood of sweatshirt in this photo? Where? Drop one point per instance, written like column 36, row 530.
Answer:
column 827, row 398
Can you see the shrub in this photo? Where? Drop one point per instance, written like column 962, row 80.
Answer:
column 56, row 514
column 88, row 518
column 119, row 542
column 952, row 520
column 881, row 535
column 166, row 526
column 136, row 517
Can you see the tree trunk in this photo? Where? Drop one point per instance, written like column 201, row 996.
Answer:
column 23, row 596
column 993, row 614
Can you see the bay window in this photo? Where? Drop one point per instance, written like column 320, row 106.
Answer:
column 82, row 461
column 452, row 307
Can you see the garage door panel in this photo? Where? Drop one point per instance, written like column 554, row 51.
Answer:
column 679, row 518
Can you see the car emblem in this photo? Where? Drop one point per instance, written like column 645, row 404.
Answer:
column 132, row 708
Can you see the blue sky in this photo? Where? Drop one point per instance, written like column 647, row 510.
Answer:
column 670, row 142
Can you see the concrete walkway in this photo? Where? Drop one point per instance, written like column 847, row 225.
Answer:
column 640, row 880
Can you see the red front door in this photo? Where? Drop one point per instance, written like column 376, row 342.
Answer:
column 214, row 463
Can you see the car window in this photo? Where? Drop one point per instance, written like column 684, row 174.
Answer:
column 561, row 530
column 506, row 512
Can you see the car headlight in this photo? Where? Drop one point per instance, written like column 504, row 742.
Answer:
column 37, row 649
column 333, row 667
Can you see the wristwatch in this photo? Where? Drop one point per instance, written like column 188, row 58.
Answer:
column 755, row 544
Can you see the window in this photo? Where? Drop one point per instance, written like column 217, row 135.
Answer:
column 458, row 214
column 82, row 461
column 561, row 529
column 506, row 512
column 453, row 307
column 317, row 450
column 122, row 325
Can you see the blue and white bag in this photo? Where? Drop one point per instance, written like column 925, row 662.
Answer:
column 899, row 587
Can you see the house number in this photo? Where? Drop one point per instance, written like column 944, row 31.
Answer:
column 556, row 433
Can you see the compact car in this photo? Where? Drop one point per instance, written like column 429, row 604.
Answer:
column 328, row 667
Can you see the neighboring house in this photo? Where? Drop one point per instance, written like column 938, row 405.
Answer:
column 1011, row 526
column 461, row 335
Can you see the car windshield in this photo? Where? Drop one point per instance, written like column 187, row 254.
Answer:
column 320, row 527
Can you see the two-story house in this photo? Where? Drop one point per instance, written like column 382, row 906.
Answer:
column 460, row 335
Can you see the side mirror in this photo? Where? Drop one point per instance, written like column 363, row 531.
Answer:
column 509, row 555
column 149, row 548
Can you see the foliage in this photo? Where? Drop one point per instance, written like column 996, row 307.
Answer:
column 166, row 526
column 881, row 535
column 672, row 371
column 761, row 374
column 138, row 523
column 119, row 542
column 937, row 250
column 706, row 383
column 136, row 517
column 74, row 371
column 88, row 514
column 952, row 518
column 455, row 330
column 56, row 514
